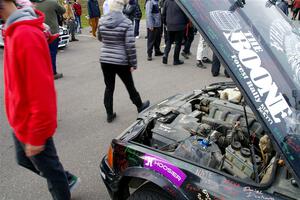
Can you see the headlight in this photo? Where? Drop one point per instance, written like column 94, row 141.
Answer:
column 65, row 32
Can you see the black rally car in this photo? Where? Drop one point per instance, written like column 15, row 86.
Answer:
column 236, row 140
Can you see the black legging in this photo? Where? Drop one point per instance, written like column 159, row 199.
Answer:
column 109, row 73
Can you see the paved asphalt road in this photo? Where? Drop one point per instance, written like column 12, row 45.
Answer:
column 83, row 136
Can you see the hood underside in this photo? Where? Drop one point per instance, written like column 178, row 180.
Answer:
column 259, row 47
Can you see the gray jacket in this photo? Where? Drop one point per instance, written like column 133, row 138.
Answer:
column 116, row 32
column 153, row 16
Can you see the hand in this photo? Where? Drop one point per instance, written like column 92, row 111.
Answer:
column 132, row 69
column 31, row 150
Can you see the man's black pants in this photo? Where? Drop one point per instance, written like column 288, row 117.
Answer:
column 109, row 72
column 174, row 36
column 153, row 40
column 189, row 38
column 47, row 165
column 215, row 67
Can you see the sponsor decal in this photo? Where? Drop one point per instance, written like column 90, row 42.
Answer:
column 284, row 39
column 173, row 173
column 256, row 194
column 273, row 106
column 203, row 195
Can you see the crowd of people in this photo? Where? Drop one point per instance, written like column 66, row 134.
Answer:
column 29, row 72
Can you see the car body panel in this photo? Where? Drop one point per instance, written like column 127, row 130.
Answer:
column 200, row 183
column 264, row 65
column 64, row 37
column 262, row 57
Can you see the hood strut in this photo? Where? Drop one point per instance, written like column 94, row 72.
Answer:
column 251, row 146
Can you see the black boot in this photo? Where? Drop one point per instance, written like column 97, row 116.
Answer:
column 165, row 60
column 110, row 117
column 137, row 101
column 144, row 105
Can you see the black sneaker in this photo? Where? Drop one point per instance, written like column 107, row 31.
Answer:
column 159, row 53
column 110, row 118
column 144, row 105
column 226, row 74
column 58, row 76
column 206, row 60
column 178, row 62
column 200, row 65
column 149, row 58
column 74, row 40
column 73, row 182
column 164, row 60
column 185, row 55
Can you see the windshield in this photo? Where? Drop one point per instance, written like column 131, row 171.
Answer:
column 260, row 48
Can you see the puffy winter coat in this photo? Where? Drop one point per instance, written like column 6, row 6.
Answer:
column 116, row 33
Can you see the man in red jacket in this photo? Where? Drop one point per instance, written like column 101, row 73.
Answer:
column 30, row 97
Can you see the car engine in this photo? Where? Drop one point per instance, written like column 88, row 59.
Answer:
column 214, row 128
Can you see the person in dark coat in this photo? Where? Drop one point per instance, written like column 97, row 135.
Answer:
column 284, row 6
column 189, row 37
column 137, row 19
column 118, row 56
column 175, row 20
column 215, row 67
column 130, row 10
column 94, row 14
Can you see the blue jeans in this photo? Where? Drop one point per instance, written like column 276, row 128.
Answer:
column 53, row 51
column 47, row 165
column 78, row 22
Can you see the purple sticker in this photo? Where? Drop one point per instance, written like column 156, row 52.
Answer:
column 174, row 174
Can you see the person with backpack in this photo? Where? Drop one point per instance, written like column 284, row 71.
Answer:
column 153, row 19
column 30, row 97
column 77, row 12
column 130, row 10
column 137, row 19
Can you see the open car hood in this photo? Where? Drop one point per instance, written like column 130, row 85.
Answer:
column 260, row 48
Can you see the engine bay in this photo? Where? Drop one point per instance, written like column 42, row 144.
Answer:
column 216, row 129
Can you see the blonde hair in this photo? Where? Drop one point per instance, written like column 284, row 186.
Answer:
column 117, row 5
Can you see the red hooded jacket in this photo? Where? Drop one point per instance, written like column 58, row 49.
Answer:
column 30, row 97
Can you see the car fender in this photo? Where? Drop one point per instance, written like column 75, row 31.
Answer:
column 155, row 178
